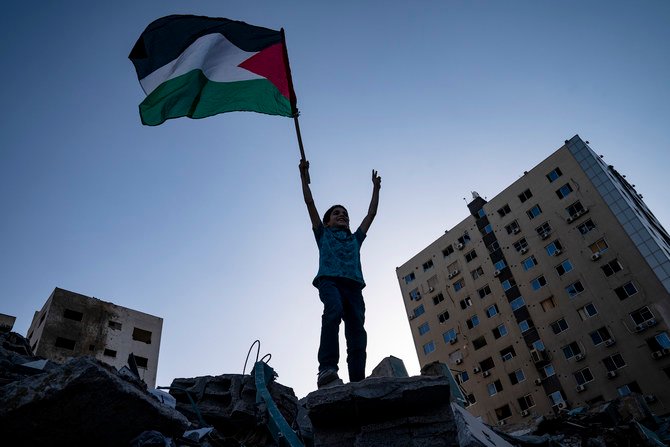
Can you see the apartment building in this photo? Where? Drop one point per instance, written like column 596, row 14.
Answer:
column 71, row 324
column 552, row 295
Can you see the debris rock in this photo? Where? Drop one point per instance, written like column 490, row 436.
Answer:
column 390, row 367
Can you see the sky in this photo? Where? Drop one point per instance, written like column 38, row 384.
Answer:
column 202, row 222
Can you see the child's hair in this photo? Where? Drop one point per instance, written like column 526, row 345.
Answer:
column 326, row 216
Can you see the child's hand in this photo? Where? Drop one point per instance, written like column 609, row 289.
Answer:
column 376, row 180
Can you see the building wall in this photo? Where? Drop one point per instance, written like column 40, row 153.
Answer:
column 71, row 324
column 550, row 318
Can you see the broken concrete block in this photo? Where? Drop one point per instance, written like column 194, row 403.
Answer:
column 390, row 367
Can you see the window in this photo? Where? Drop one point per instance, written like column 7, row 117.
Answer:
column 599, row 246
column 521, row 244
column 526, row 402
column 632, row 387
column 559, row 326
column 447, row 251
column 538, row 282
column 513, row 227
column 481, row 213
column 508, row 284
column 587, row 311
column 611, row 267
column 548, row 370
column 458, row 285
column 479, row 342
column 432, row 283
column 437, row 299
column 564, row 191
column 487, row 364
column 538, row 345
column 470, row 255
column 424, row 328
column 661, row 341
column 487, row 229
column 409, row 278
column 642, row 315
column 464, row 239
column 502, row 413
column 575, row 208
column 500, row 331
column 614, row 362
column 114, row 325
column 516, row 376
column 419, row 310
column 507, row 354
column 529, row 262
column 427, row 265
column 141, row 362
column 492, row 311
column 600, row 335
column 493, row 246
column 414, row 295
column 548, row 304
column 525, row 195
column 471, row 399
column 449, row 335
column 500, row 264
column 109, row 353
column 544, row 229
column 626, row 290
column 476, row 273
column 486, row 290
column 65, row 343
column 553, row 175
column 517, row 303
column 505, row 209
column 556, row 397
column 534, row 212
column 586, row 227
column 463, row 377
column 574, row 289
column 583, row 376
column 494, row 388
column 466, row 302
column 564, row 267
column 524, row 325
column 571, row 350
column 73, row 315
column 444, row 316
column 554, row 248
column 473, row 321
column 429, row 347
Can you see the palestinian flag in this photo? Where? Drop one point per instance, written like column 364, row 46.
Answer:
column 200, row 66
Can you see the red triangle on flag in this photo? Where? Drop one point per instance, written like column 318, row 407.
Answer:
column 269, row 63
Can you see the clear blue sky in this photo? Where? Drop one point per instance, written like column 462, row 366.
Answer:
column 202, row 222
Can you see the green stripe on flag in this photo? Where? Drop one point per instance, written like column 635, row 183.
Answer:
column 195, row 96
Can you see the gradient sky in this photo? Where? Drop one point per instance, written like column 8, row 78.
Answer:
column 202, row 222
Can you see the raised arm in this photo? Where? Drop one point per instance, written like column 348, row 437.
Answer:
column 372, row 210
column 307, row 194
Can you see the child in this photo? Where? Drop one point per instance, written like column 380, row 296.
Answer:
column 340, row 282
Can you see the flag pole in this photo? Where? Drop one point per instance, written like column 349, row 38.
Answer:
column 293, row 100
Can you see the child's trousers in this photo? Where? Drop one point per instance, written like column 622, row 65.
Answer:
column 342, row 301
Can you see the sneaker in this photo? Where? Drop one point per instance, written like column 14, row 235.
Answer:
column 327, row 378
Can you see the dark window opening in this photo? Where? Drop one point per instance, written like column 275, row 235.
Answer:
column 114, row 325
column 65, row 343
column 73, row 315
column 109, row 353
column 142, row 335
column 142, row 362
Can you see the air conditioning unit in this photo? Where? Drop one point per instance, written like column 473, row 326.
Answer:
column 562, row 405
column 411, row 317
column 611, row 374
column 476, row 370
column 538, row 381
column 657, row 354
column 610, row 342
column 569, row 219
column 584, row 211
column 545, row 235
column 431, row 289
column 496, row 273
column 516, row 230
column 460, row 246
column 524, row 251
column 640, row 328
column 486, row 373
column 557, row 252
column 459, row 361
column 650, row 398
column 595, row 256
column 650, row 323
column 501, row 422
column 525, row 413
column 452, row 341
column 579, row 357
column 580, row 388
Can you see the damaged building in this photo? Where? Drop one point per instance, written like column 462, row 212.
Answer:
column 71, row 324
column 552, row 295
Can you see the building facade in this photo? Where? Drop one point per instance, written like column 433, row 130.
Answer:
column 552, row 295
column 71, row 324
